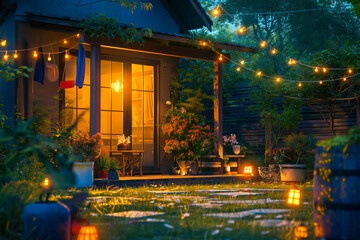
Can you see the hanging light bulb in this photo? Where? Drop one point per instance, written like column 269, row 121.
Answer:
column 16, row 55
column 203, row 43
column 350, row 71
column 216, row 11
column 316, row 69
column 67, row 56
column 273, row 52
column 278, row 79
column 65, row 41
column 242, row 62
column 3, row 43
column 290, row 61
column 220, row 58
column 321, row 82
column 324, row 70
column 78, row 35
column 35, row 55
column 238, row 69
column 259, row 74
column 293, row 62
column 300, row 84
column 6, row 56
column 49, row 57
column 344, row 79
column 241, row 30
column 263, row 44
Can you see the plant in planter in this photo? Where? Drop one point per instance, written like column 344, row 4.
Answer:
column 102, row 165
column 231, row 145
column 124, row 142
column 294, row 168
column 113, row 167
column 187, row 138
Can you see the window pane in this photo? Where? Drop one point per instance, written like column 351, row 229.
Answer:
column 117, row 81
column 70, row 69
column 117, row 100
column 84, row 97
column 70, row 116
column 105, row 122
column 137, row 111
column 105, row 141
column 117, row 123
column 105, row 73
column 148, row 78
column 105, row 99
column 137, row 75
column 148, row 108
column 70, row 97
column 83, row 120
column 87, row 71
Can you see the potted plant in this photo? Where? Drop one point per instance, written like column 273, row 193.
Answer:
column 187, row 138
column 87, row 148
column 102, row 165
column 293, row 169
column 113, row 169
column 231, row 145
column 124, row 142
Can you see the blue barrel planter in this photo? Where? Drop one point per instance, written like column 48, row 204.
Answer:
column 46, row 220
column 337, row 193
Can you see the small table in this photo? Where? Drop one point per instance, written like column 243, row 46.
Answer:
column 219, row 162
column 238, row 157
column 129, row 159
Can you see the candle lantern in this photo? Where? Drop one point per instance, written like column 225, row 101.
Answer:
column 248, row 170
column 88, row 233
column 294, row 197
column 301, row 232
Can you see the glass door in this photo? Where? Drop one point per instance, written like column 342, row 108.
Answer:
column 143, row 111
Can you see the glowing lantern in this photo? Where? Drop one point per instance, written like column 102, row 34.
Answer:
column 46, row 183
column 16, row 55
column 301, row 232
column 263, row 44
column 3, row 43
column 6, row 56
column 88, row 233
column 216, row 12
column 248, row 170
column 294, row 197
column 116, row 86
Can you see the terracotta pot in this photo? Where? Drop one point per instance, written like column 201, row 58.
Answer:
column 102, row 174
column 292, row 172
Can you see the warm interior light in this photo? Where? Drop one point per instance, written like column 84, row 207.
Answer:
column 301, row 232
column 316, row 69
column 248, row 170
column 344, row 79
column 49, row 57
column 294, row 197
column 273, row 51
column 324, row 70
column 3, row 43
column 65, row 41
column 242, row 62
column 35, row 55
column 278, row 79
column 216, row 11
column 238, row 69
column 16, row 55
column 88, row 233
column 321, row 82
column 116, row 86
column 259, row 73
column 263, row 44
column 300, row 84
column 350, row 71
column 6, row 56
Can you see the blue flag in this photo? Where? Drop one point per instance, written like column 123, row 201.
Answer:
column 80, row 68
column 39, row 73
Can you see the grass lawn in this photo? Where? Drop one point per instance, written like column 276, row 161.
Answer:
column 183, row 216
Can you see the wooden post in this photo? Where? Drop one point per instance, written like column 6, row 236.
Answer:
column 127, row 126
column 95, row 90
column 357, row 112
column 218, row 113
column 268, row 137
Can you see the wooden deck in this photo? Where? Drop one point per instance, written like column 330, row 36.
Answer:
column 171, row 179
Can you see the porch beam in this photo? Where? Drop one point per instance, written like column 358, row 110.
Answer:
column 218, row 113
column 95, row 90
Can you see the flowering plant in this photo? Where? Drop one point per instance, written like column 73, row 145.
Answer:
column 187, row 136
column 230, row 139
column 85, row 146
column 122, row 139
column 279, row 155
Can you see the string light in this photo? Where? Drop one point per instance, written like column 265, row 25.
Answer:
column 65, row 41
column 78, row 35
column 6, row 56
column 290, row 62
column 273, row 51
column 259, row 74
column 241, row 30
column 321, row 82
column 216, row 11
column 300, row 84
column 203, row 43
column 242, row 62
column 324, row 70
column 220, row 58
column 278, row 79
column 49, row 57
column 316, row 69
column 350, row 71
column 35, row 55
column 3, row 43
column 263, row 44
column 238, row 69
column 67, row 56
column 15, row 55
column 344, row 79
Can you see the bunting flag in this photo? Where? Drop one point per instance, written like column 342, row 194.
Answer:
column 80, row 68
column 40, row 68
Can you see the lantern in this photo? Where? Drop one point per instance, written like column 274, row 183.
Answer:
column 294, row 197
column 248, row 170
column 88, row 233
column 46, row 183
column 301, row 232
